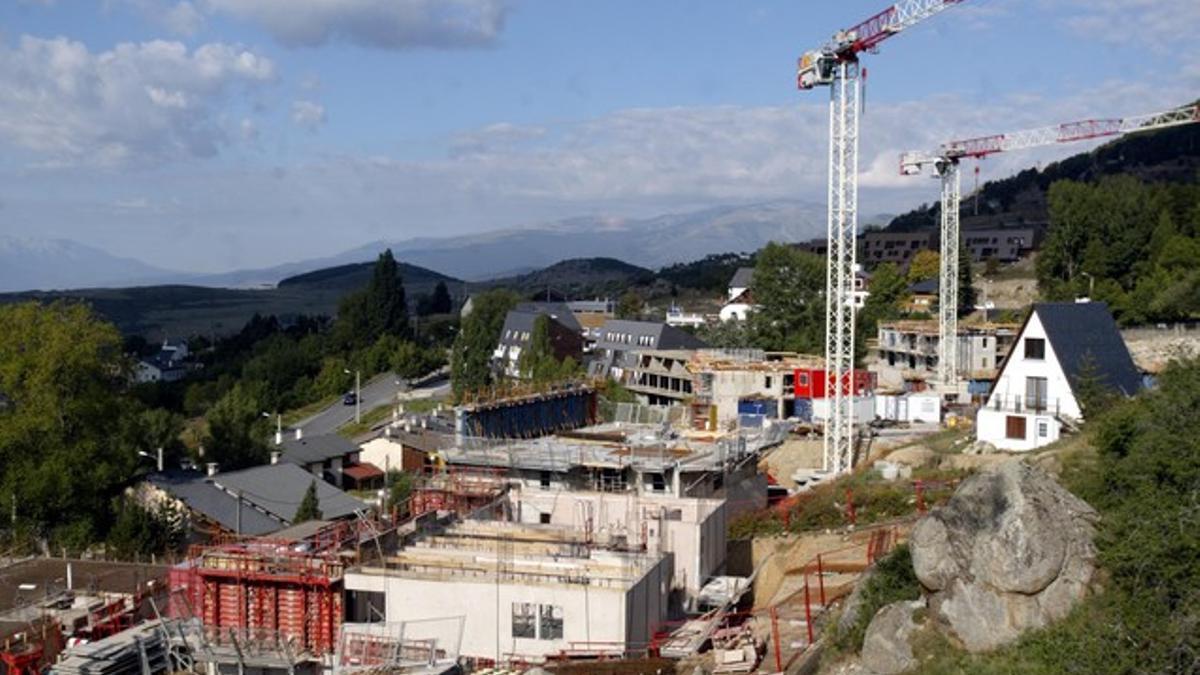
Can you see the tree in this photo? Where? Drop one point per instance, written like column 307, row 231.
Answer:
column 140, row 532
column 886, row 291
column 440, row 302
column 538, row 362
column 966, row 281
column 310, row 506
column 926, row 264
column 789, row 288
column 237, row 431
column 64, row 449
column 386, row 306
column 630, row 305
column 471, row 354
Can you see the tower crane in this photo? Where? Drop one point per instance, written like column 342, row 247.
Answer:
column 945, row 163
column 836, row 65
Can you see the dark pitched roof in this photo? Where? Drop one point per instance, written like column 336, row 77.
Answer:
column 742, row 278
column 317, row 448
column 271, row 494
column 279, row 488
column 518, row 325
column 214, row 503
column 1084, row 335
column 559, row 311
column 925, row 287
column 624, row 335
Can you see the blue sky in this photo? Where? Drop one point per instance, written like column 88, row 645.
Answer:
column 209, row 135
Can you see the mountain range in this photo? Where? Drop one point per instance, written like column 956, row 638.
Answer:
column 649, row 242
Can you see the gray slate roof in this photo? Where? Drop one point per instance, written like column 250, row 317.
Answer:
column 742, row 278
column 279, row 488
column 1083, row 335
column 316, row 448
column 623, row 335
column 924, row 287
column 518, row 322
column 559, row 311
column 215, row 504
column 271, row 494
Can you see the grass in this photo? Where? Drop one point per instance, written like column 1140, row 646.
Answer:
column 423, row 405
column 369, row 419
column 825, row 506
column 293, row 416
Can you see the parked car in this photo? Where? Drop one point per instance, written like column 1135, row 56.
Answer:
column 350, row 399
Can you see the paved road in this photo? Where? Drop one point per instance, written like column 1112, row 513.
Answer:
column 380, row 390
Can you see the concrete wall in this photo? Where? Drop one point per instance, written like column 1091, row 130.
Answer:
column 730, row 386
column 697, row 538
column 590, row 613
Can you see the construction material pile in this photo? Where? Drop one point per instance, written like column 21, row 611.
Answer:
column 137, row 650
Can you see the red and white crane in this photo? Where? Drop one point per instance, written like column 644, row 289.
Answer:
column 836, row 65
column 945, row 163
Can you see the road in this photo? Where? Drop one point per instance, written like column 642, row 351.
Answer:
column 380, row 390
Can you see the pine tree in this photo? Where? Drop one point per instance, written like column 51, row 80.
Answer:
column 310, row 506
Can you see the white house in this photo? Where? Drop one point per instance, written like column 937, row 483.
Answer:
column 739, row 300
column 1060, row 346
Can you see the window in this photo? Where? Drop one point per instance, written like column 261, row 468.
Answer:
column 985, row 342
column 658, row 482
column 767, row 382
column 545, row 480
column 984, row 361
column 524, row 620
column 1035, row 348
column 1043, row 429
column 551, row 625
column 804, row 379
column 544, row 518
column 1035, row 393
column 1014, row 427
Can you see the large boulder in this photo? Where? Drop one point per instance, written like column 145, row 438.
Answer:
column 1012, row 550
column 886, row 649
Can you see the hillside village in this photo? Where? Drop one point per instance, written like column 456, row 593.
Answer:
column 963, row 440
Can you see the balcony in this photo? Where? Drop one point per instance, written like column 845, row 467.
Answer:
column 1018, row 403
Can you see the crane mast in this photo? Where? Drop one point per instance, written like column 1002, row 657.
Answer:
column 836, row 66
column 945, row 163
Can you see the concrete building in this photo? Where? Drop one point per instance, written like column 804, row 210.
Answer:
column 907, row 352
column 649, row 486
column 526, row 592
column 1058, row 348
column 733, row 382
column 895, row 247
column 1004, row 245
column 657, row 377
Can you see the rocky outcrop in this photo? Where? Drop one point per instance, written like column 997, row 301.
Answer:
column 1012, row 550
column 886, row 649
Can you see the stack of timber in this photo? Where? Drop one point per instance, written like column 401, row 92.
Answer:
column 138, row 651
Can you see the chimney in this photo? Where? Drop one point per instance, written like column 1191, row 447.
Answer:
column 275, row 455
column 278, row 438
column 299, row 433
column 212, row 468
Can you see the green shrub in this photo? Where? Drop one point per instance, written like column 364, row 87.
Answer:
column 891, row 580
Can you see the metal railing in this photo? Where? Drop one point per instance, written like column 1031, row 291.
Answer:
column 1020, row 403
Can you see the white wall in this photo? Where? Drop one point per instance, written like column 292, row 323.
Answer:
column 991, row 426
column 864, row 408
column 591, row 613
column 1011, row 382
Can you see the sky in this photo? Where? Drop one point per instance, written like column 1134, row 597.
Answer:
column 211, row 135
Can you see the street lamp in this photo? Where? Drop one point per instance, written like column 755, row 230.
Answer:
column 158, row 459
column 357, row 394
column 1091, row 284
column 278, row 426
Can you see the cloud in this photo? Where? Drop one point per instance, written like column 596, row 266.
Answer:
column 386, row 24
column 180, row 17
column 1160, row 26
column 137, row 103
column 308, row 115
